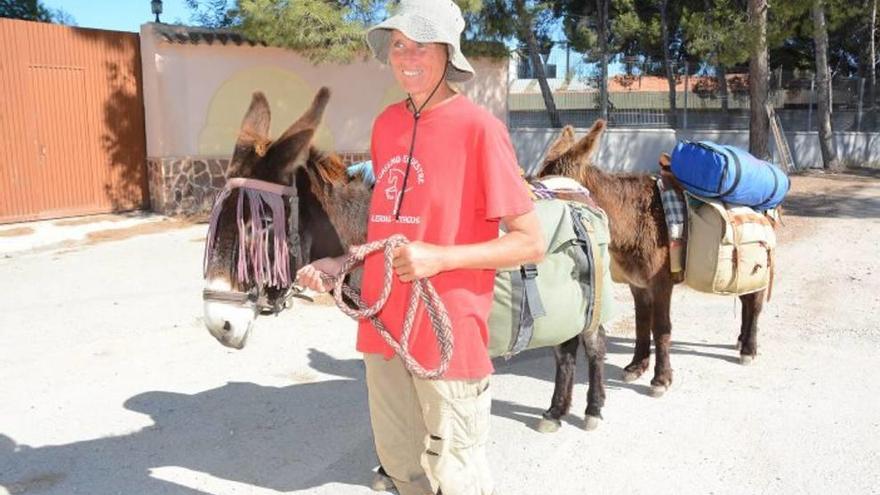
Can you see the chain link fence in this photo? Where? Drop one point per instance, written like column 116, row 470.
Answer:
column 638, row 97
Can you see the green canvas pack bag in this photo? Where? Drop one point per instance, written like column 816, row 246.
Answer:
column 570, row 290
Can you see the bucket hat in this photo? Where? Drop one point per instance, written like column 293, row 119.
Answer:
column 425, row 21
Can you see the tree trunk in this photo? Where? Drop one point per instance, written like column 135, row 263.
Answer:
column 759, row 81
column 722, row 88
column 602, row 6
column 720, row 69
column 872, row 57
column 667, row 62
column 823, row 81
column 527, row 34
column 541, row 76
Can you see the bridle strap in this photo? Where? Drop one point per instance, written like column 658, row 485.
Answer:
column 261, row 185
column 228, row 296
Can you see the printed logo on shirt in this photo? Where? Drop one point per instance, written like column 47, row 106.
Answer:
column 389, row 183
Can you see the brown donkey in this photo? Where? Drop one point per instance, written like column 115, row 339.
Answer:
column 639, row 252
column 232, row 302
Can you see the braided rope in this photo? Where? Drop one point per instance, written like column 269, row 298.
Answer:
column 422, row 290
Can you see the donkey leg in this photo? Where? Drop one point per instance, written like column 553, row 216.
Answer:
column 662, row 330
column 566, row 359
column 752, row 304
column 594, row 344
column 642, row 354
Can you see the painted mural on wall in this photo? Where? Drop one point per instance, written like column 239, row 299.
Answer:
column 288, row 94
column 187, row 186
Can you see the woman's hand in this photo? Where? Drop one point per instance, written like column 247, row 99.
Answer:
column 418, row 260
column 311, row 276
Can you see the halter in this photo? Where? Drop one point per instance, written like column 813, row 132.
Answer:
column 253, row 241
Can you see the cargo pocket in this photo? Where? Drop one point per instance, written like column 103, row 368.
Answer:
column 454, row 454
column 470, row 418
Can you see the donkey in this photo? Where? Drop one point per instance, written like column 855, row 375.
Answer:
column 232, row 301
column 326, row 215
column 639, row 252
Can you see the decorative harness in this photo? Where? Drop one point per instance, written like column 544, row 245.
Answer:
column 269, row 265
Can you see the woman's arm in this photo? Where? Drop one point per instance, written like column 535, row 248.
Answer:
column 523, row 243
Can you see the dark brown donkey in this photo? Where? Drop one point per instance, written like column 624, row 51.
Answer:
column 327, row 216
column 639, row 252
column 232, row 302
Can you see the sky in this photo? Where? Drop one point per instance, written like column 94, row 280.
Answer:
column 119, row 15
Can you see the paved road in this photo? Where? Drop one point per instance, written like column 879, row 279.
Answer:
column 110, row 384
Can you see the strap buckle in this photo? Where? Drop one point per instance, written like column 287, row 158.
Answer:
column 529, row 271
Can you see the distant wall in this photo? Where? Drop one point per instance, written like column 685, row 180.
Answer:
column 637, row 150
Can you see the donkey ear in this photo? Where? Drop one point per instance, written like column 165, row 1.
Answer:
column 293, row 146
column 253, row 136
column 562, row 144
column 665, row 161
column 311, row 119
column 587, row 146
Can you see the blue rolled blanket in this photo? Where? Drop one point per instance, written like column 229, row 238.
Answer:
column 728, row 174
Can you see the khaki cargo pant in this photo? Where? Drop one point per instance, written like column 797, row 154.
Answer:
column 430, row 435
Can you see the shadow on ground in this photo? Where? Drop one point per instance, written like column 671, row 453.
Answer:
column 539, row 364
column 281, row 438
column 854, row 193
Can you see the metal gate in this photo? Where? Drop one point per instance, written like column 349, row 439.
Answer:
column 72, row 136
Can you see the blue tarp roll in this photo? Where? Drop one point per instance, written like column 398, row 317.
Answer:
column 729, row 174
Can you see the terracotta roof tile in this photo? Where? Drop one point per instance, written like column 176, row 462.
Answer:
column 173, row 33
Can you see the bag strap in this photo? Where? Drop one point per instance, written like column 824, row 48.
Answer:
column 527, row 297
column 598, row 281
column 737, row 170
column 731, row 221
column 592, row 287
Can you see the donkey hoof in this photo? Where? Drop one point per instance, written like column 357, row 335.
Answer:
column 591, row 423
column 631, row 376
column 746, row 359
column 739, row 344
column 381, row 482
column 548, row 425
column 657, row 391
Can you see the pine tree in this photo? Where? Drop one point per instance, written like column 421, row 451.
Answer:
column 34, row 10
column 823, row 82
column 523, row 23
column 759, row 80
column 320, row 30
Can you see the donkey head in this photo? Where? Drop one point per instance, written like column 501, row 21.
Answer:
column 254, row 245
column 568, row 157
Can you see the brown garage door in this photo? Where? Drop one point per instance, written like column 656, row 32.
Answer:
column 71, row 122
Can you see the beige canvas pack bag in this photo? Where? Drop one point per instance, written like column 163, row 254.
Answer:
column 729, row 249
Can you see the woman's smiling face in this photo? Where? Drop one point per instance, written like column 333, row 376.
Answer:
column 418, row 67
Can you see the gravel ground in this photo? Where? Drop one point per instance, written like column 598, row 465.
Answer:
column 110, row 383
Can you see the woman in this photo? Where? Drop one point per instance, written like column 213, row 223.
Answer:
column 446, row 176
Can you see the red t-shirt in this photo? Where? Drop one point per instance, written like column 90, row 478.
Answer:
column 463, row 179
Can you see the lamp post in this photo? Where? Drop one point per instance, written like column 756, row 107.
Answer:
column 156, row 6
